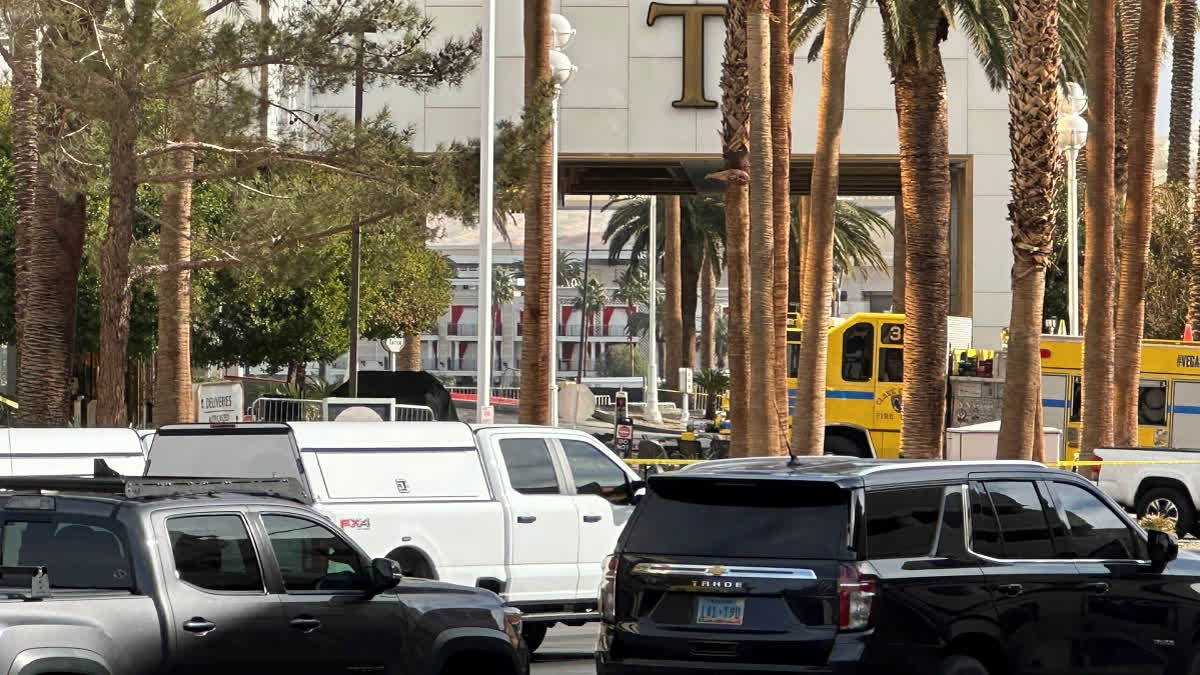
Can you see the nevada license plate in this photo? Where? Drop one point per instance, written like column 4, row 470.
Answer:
column 724, row 611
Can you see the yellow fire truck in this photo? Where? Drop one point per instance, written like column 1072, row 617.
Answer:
column 864, row 384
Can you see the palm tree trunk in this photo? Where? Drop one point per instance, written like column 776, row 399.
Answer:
column 1135, row 229
column 409, row 357
column 173, row 386
column 808, row 420
column 1099, row 263
column 735, row 142
column 763, row 425
column 803, row 231
column 925, row 191
column 1033, row 124
column 536, row 328
column 898, row 255
column 1179, row 155
column 781, row 192
column 1131, row 12
column 708, row 314
column 691, row 260
column 672, row 309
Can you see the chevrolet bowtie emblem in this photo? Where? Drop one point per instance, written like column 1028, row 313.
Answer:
column 716, row 570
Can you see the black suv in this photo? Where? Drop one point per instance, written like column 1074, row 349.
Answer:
column 843, row 565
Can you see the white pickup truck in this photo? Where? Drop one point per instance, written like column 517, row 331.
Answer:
column 1170, row 488
column 528, row 512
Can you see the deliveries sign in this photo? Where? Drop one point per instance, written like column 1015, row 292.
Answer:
column 219, row 402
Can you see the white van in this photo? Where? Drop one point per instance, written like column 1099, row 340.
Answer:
column 34, row 451
column 529, row 512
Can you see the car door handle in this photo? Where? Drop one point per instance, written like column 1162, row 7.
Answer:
column 591, row 519
column 306, row 623
column 525, row 520
column 1099, row 587
column 1011, row 590
column 199, row 625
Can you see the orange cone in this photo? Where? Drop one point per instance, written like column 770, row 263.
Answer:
column 1187, row 333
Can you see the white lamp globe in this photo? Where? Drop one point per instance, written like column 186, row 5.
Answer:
column 561, row 68
column 561, row 31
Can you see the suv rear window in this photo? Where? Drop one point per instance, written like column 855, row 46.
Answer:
column 77, row 551
column 745, row 519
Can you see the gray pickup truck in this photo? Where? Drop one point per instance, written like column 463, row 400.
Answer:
column 130, row 576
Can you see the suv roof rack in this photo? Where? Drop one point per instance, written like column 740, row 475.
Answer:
column 108, row 482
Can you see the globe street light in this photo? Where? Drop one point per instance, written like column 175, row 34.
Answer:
column 487, row 129
column 561, row 71
column 1072, row 135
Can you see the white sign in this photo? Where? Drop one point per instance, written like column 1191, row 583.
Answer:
column 219, row 402
column 394, row 344
column 487, row 415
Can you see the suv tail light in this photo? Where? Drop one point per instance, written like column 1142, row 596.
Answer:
column 856, row 598
column 608, row 590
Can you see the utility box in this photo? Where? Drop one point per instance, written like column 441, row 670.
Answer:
column 980, row 442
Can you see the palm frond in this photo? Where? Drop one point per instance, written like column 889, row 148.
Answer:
column 986, row 26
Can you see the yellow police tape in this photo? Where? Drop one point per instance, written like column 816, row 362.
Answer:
column 1065, row 462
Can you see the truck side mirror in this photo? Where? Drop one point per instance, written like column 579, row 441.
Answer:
column 385, row 575
column 632, row 488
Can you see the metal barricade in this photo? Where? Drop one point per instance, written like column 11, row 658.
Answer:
column 269, row 409
column 412, row 413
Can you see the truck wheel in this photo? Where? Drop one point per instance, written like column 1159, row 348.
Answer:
column 959, row 664
column 534, row 633
column 1169, row 502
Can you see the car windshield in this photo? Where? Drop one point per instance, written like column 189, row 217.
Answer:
column 222, row 455
column 78, row 552
column 746, row 519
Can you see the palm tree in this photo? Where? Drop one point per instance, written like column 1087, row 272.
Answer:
column 1135, row 227
column 536, row 333
column 1033, row 120
column 570, row 270
column 672, row 279
column 592, row 299
column 708, row 312
column 1127, row 57
column 714, row 384
column 808, row 424
column 173, row 359
column 735, row 148
column 762, row 428
column 782, row 56
column 702, row 231
column 1183, row 28
column 856, row 231
column 1098, row 267
column 914, row 31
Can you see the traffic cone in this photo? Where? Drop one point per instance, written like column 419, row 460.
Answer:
column 1187, row 333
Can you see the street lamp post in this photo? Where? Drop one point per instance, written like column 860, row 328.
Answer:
column 483, row 378
column 561, row 70
column 650, row 411
column 1072, row 135
column 355, row 234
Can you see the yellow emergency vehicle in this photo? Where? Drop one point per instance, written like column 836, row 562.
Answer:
column 1168, row 393
column 865, row 373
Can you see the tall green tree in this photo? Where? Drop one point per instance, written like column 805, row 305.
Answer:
column 151, row 49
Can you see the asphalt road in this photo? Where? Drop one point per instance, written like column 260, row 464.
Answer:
column 566, row 651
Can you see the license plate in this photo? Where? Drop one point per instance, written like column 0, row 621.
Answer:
column 723, row 611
